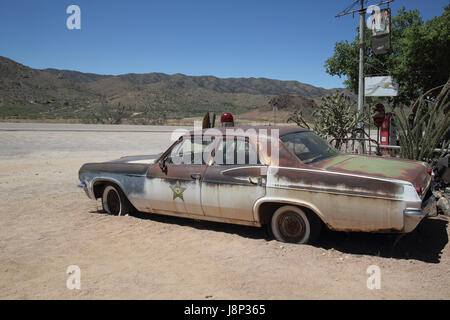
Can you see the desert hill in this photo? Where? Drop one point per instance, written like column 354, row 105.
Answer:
column 28, row 93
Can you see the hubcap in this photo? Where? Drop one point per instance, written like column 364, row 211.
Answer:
column 292, row 227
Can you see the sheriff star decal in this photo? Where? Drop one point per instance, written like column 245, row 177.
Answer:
column 177, row 191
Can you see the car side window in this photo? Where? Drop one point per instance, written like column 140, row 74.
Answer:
column 235, row 152
column 193, row 150
column 297, row 145
column 308, row 146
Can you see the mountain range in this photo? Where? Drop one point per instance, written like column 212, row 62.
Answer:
column 54, row 94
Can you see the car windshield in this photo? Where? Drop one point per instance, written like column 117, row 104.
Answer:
column 308, row 146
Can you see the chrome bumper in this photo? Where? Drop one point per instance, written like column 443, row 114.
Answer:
column 412, row 217
column 85, row 187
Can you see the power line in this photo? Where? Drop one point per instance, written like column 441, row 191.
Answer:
column 347, row 10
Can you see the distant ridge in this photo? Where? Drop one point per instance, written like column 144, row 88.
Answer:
column 224, row 85
column 53, row 93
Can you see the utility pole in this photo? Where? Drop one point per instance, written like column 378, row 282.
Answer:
column 362, row 28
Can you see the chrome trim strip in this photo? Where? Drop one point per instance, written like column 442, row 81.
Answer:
column 413, row 212
column 335, row 192
column 243, row 167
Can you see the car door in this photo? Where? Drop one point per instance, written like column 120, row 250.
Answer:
column 174, row 184
column 233, row 181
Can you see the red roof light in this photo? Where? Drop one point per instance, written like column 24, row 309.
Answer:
column 226, row 117
column 419, row 189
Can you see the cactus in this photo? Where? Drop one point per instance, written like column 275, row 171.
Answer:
column 337, row 118
column 298, row 118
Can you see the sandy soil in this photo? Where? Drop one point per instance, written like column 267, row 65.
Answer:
column 48, row 224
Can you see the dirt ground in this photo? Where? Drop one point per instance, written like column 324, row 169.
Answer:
column 48, row 224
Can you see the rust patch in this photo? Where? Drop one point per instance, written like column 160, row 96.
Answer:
column 407, row 170
column 317, row 180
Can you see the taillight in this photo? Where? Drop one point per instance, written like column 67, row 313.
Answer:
column 419, row 189
column 429, row 170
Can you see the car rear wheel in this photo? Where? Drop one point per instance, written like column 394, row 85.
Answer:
column 114, row 201
column 294, row 225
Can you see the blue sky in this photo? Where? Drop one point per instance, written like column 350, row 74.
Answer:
column 277, row 39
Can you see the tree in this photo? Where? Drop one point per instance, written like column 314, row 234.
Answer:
column 419, row 61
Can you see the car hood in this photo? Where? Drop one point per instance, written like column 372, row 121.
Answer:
column 135, row 165
column 146, row 159
column 391, row 168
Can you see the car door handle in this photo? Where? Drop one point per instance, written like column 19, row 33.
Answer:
column 254, row 180
column 196, row 176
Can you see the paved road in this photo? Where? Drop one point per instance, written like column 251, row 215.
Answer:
column 75, row 127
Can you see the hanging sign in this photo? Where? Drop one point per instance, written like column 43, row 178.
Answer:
column 383, row 86
column 381, row 31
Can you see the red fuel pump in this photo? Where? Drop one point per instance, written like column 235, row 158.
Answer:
column 388, row 134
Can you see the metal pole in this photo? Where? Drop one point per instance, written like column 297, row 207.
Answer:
column 362, row 14
column 378, row 141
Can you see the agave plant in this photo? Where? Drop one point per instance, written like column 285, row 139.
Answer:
column 426, row 128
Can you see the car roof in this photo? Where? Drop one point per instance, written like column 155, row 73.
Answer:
column 243, row 131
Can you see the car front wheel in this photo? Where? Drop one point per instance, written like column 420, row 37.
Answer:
column 114, row 201
column 294, row 225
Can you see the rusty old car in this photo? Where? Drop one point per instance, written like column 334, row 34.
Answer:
column 286, row 178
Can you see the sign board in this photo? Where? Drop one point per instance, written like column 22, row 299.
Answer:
column 381, row 31
column 381, row 44
column 383, row 86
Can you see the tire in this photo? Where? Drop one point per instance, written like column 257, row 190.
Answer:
column 294, row 225
column 114, row 201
